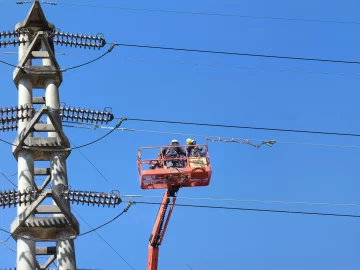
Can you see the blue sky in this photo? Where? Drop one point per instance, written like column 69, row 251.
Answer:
column 138, row 87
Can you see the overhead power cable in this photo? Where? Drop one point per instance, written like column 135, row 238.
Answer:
column 210, row 65
column 63, row 69
column 5, row 245
column 206, row 13
column 5, row 240
column 244, row 127
column 219, row 65
column 244, row 201
column 92, row 164
column 94, row 127
column 255, row 210
column 110, row 221
column 106, row 242
column 89, row 62
column 8, row 64
column 237, row 67
column 236, row 53
column 75, row 236
column 193, row 206
column 67, row 149
column 11, row 175
column 8, row 179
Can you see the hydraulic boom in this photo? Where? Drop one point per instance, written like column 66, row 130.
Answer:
column 159, row 229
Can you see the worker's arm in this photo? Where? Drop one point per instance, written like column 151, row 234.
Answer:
column 163, row 152
column 182, row 151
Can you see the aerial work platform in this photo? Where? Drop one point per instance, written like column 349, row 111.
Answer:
column 164, row 172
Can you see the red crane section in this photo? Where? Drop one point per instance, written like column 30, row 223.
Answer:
column 157, row 235
column 161, row 167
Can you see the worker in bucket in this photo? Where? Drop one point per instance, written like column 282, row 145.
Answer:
column 175, row 154
column 193, row 150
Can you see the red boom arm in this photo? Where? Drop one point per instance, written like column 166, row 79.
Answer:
column 159, row 230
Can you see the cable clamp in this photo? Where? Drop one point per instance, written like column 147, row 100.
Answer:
column 111, row 47
column 120, row 122
column 129, row 205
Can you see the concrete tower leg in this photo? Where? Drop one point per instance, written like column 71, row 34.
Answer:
column 64, row 248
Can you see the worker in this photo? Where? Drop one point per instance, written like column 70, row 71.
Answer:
column 173, row 153
column 193, row 150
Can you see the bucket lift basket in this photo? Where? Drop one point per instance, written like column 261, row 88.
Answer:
column 155, row 174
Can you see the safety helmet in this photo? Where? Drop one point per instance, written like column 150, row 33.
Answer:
column 188, row 141
column 174, row 141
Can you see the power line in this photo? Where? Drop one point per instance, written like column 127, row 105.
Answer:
column 67, row 149
column 63, row 69
column 244, row 127
column 74, row 236
column 5, row 240
column 92, row 229
column 236, row 53
column 103, row 224
column 8, row 179
column 53, row 263
column 194, row 206
column 212, row 65
column 256, row 210
column 8, row 64
column 245, row 201
column 5, row 245
column 11, row 175
column 106, row 242
column 110, row 221
column 92, row 164
column 208, row 13
column 223, row 66
column 93, row 127
column 102, row 137
column 239, row 67
column 208, row 207
column 89, row 62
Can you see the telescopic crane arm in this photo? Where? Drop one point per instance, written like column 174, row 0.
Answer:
column 159, row 229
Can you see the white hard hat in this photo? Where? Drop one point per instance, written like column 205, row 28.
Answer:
column 174, row 141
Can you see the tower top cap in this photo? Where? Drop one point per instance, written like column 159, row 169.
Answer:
column 35, row 20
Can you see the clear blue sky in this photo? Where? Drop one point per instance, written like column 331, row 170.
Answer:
column 206, row 238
